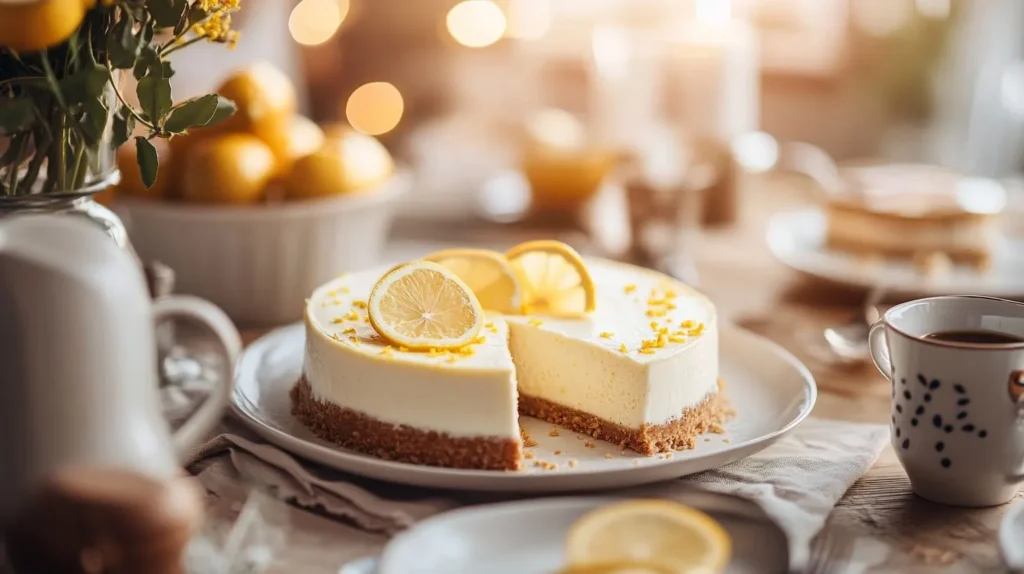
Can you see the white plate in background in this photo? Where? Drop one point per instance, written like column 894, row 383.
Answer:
column 797, row 238
column 770, row 389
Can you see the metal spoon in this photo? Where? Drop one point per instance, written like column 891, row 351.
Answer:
column 849, row 341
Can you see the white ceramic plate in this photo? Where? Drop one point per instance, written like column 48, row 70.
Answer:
column 771, row 390
column 529, row 537
column 798, row 239
column 1011, row 538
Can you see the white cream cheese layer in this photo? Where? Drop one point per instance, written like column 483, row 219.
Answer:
column 597, row 365
column 348, row 364
column 649, row 351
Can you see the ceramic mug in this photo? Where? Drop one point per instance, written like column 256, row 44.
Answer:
column 957, row 407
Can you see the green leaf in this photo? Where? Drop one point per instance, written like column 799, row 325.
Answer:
column 122, row 45
column 196, row 14
column 146, row 60
column 149, row 162
column 182, row 24
column 168, row 70
column 167, row 12
column 154, row 96
column 85, row 84
column 146, row 33
column 191, row 113
column 123, row 126
column 225, row 109
column 15, row 115
column 95, row 120
column 14, row 149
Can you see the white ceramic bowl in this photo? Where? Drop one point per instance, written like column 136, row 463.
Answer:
column 259, row 263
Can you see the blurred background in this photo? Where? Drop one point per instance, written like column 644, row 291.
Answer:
column 445, row 83
column 637, row 130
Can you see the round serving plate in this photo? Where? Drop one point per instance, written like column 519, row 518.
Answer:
column 770, row 389
column 797, row 238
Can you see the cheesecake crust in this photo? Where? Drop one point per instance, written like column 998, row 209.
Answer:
column 402, row 443
column 679, row 434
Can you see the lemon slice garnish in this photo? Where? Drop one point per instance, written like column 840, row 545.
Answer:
column 487, row 273
column 422, row 305
column 556, row 278
column 660, row 533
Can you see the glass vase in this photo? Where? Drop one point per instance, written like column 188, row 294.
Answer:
column 59, row 167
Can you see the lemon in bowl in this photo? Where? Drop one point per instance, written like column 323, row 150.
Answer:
column 232, row 168
column 347, row 162
column 264, row 98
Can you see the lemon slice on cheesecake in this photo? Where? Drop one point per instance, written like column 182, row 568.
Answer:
column 422, row 305
column 556, row 278
column 661, row 535
column 488, row 274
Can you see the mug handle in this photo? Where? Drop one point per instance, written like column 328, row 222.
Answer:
column 879, row 350
column 1015, row 388
column 210, row 412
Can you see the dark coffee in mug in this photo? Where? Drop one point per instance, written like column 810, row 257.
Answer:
column 980, row 337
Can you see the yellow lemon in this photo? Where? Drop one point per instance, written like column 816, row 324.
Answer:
column 347, row 162
column 422, row 305
column 233, row 168
column 674, row 537
column 487, row 273
column 265, row 101
column 555, row 277
column 30, row 26
column 302, row 138
column 131, row 177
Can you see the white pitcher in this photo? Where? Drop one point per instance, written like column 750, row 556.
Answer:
column 78, row 367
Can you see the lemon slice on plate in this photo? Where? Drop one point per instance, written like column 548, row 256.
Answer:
column 556, row 278
column 422, row 305
column 488, row 274
column 650, row 534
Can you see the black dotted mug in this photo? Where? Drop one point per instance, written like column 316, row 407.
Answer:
column 957, row 418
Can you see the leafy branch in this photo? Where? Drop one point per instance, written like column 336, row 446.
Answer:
column 62, row 109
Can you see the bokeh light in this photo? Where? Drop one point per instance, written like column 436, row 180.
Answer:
column 313, row 22
column 881, row 18
column 476, row 23
column 528, row 19
column 375, row 108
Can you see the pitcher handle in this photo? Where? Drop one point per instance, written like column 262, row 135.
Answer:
column 210, row 412
column 879, row 350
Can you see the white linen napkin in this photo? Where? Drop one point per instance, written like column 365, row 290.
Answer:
column 797, row 481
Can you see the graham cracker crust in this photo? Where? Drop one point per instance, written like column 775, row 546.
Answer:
column 359, row 432
column 679, row 434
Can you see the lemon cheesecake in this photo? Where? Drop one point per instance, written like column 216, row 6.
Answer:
column 620, row 353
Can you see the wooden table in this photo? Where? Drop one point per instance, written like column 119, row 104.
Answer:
column 756, row 292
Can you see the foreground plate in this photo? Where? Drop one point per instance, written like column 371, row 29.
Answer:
column 529, row 537
column 771, row 390
column 798, row 239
